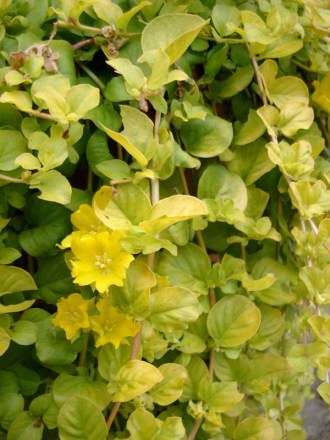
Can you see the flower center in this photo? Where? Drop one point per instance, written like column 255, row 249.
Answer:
column 108, row 327
column 103, row 261
column 72, row 316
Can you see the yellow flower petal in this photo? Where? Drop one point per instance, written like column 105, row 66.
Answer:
column 72, row 315
column 112, row 326
column 85, row 219
column 99, row 260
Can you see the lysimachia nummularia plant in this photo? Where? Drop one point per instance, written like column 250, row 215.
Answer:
column 164, row 228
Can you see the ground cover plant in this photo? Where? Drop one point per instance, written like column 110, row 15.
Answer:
column 164, row 230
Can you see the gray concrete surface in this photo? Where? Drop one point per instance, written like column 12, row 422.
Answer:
column 316, row 419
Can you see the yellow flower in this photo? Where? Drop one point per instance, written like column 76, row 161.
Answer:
column 72, row 314
column 86, row 222
column 99, row 260
column 112, row 325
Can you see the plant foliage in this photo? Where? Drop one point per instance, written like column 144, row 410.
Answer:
column 164, row 229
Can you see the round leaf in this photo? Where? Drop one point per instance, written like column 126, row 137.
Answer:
column 254, row 428
column 133, row 379
column 25, row 427
column 220, row 184
column 170, row 388
column 12, row 144
column 79, row 418
column 15, row 279
column 233, row 321
column 207, row 138
column 173, row 308
column 171, row 32
column 24, row 332
column 4, row 341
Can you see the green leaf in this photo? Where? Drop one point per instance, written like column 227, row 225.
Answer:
column 232, row 370
column 45, row 407
column 12, row 144
column 283, row 47
column 295, row 116
column 117, row 210
column 142, row 424
column 79, row 418
column 16, row 307
column 4, row 341
column 137, row 137
column 288, row 89
column 111, row 359
column 137, row 241
column 116, row 90
column 320, row 95
column 237, row 82
column 11, row 406
column 8, row 383
column 233, row 321
column 254, row 428
column 197, row 373
column 80, row 99
column 221, row 397
column 171, row 32
column 303, row 357
column 10, row 116
column 188, row 269
column 133, row 75
column 266, row 366
column 15, row 279
column 52, row 348
column 324, row 391
column 225, row 19
column 294, row 160
column 22, row 100
column 207, row 138
column 97, row 151
column 25, row 426
column 52, row 152
column 28, row 161
column 257, row 202
column 66, row 386
column 216, row 57
column 133, row 379
column 114, row 169
column 124, row 19
column 53, row 279
column 134, row 297
column 53, row 186
column 251, row 162
column 172, row 428
column 65, row 62
column 272, row 328
column 255, row 28
column 49, row 224
column 24, row 332
column 108, row 12
column 159, row 63
column 251, row 130
column 310, row 198
column 220, row 184
column 173, row 308
column 171, row 386
column 270, row 117
column 28, row 380
column 172, row 210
